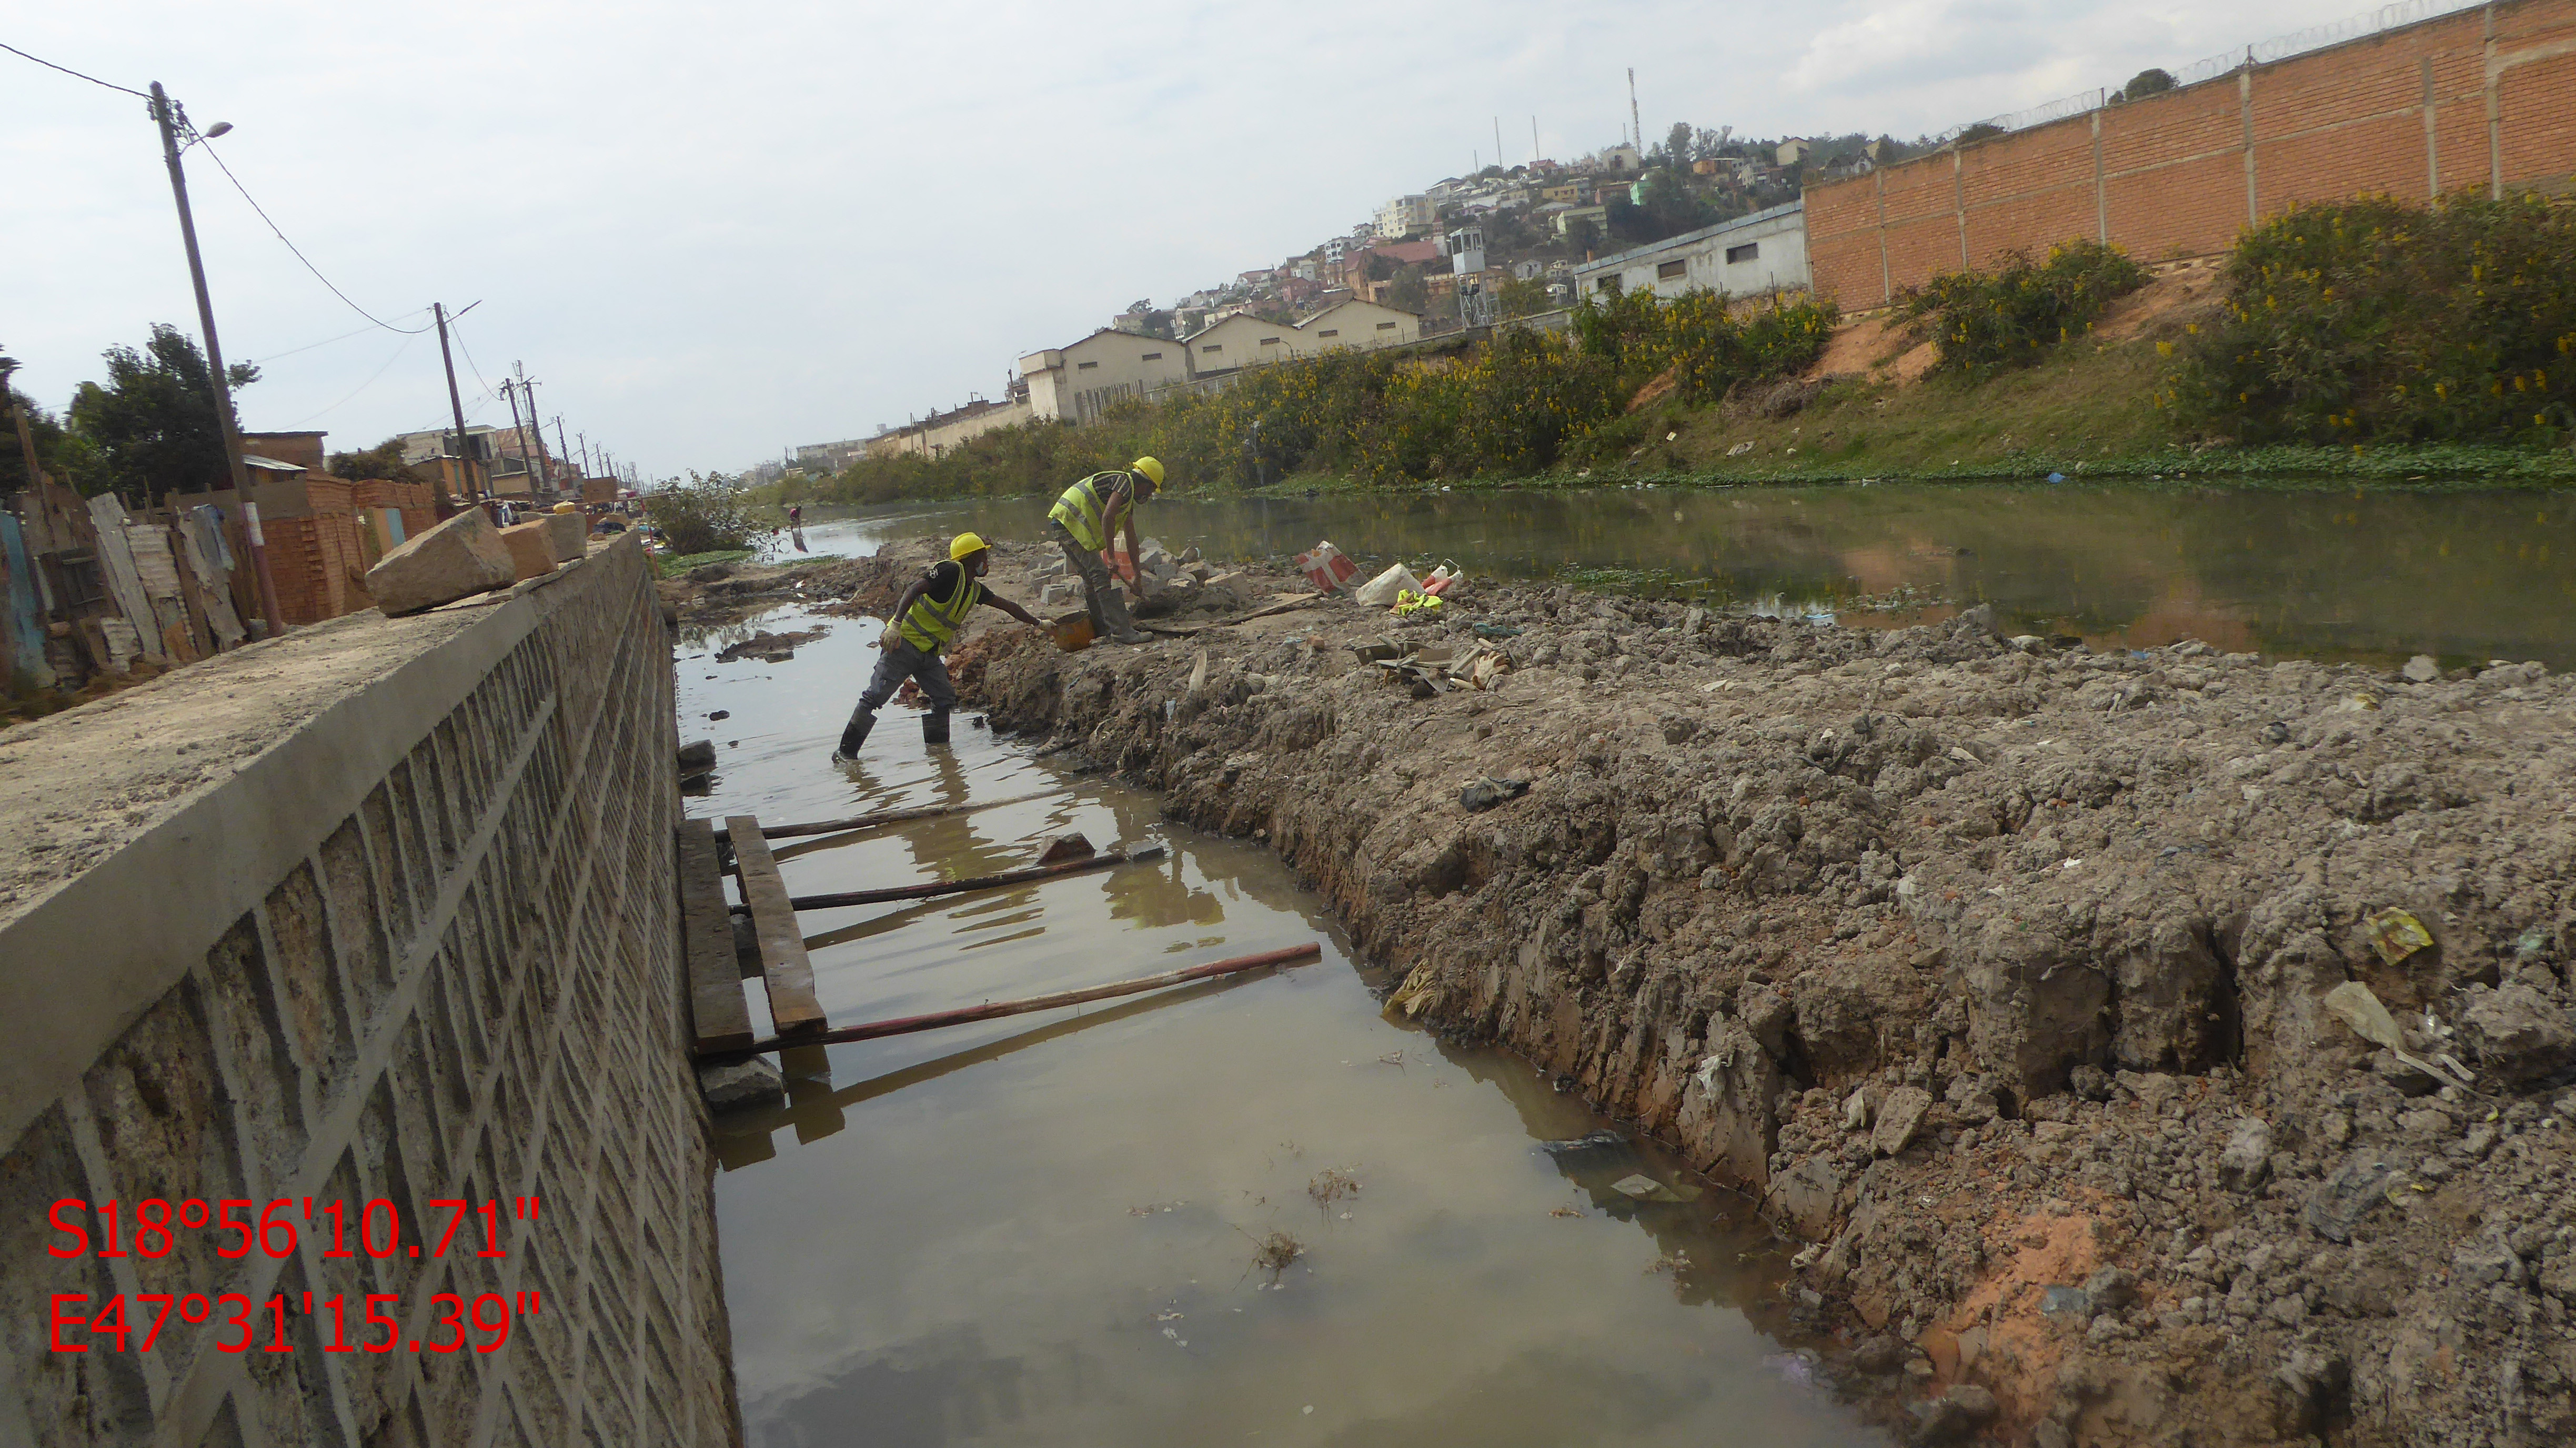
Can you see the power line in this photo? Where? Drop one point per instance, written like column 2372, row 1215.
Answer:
column 399, row 349
column 67, row 70
column 291, row 246
column 489, row 392
column 327, row 341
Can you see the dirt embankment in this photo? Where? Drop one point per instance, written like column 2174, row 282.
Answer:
column 1997, row 972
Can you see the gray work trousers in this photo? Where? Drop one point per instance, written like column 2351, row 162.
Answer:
column 1099, row 591
column 905, row 661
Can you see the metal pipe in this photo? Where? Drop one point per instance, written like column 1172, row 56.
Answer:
column 990, row 1010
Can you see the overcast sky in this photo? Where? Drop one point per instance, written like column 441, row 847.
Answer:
column 712, row 231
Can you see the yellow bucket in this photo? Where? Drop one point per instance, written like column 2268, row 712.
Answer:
column 1072, row 632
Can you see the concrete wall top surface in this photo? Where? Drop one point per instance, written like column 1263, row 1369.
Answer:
column 114, row 815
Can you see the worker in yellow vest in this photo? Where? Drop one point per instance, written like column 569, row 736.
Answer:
column 1084, row 519
column 924, row 623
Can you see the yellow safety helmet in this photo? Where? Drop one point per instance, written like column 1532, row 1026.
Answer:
column 1150, row 467
column 965, row 543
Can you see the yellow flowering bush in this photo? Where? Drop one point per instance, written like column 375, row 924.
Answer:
column 2385, row 320
column 1983, row 322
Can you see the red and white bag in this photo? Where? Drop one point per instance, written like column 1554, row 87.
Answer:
column 1326, row 568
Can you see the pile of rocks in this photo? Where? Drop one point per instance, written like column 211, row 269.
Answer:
column 1998, row 972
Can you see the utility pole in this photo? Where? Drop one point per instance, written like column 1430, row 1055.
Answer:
column 562, row 446
column 167, row 114
column 518, row 432
column 456, row 406
column 1498, row 140
column 528, row 390
column 1534, row 152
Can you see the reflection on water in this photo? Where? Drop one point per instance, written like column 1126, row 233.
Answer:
column 1041, row 1230
column 2379, row 573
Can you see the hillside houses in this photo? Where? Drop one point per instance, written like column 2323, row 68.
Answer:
column 1462, row 252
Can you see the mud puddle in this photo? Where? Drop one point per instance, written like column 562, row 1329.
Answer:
column 1051, row 1229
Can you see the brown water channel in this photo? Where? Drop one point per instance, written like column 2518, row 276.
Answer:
column 1043, row 1230
column 2372, row 574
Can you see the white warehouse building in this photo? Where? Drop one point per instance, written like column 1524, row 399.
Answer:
column 1763, row 254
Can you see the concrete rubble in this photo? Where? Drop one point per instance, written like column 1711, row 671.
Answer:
column 457, row 559
column 1997, row 973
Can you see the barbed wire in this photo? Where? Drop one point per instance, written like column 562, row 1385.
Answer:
column 2393, row 16
column 2038, row 115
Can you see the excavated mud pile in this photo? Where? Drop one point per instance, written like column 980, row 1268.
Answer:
column 1997, row 973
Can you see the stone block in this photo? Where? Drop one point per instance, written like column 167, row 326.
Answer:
column 532, row 549
column 567, row 533
column 1898, row 1119
column 457, row 559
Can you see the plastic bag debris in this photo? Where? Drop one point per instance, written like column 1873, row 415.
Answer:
column 1383, row 590
column 2356, row 1006
column 2397, row 935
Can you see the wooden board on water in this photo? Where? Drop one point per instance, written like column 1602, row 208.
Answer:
column 784, row 967
column 720, row 1017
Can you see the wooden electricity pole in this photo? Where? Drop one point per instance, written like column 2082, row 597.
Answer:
column 167, row 114
column 456, row 407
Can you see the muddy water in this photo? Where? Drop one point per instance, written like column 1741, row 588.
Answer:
column 2374, row 574
column 1044, row 1230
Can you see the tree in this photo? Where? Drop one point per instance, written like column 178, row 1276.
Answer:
column 1520, row 298
column 1379, row 266
column 1409, row 292
column 2148, row 82
column 153, row 422
column 384, row 460
column 40, row 423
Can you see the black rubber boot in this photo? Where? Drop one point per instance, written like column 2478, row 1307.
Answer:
column 855, row 734
column 934, row 727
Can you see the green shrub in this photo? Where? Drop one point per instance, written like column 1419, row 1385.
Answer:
column 1515, row 404
column 703, row 516
column 2383, row 320
column 1982, row 322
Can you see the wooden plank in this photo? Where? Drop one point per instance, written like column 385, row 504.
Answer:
column 989, row 1010
column 1001, row 881
column 784, row 968
column 721, row 1017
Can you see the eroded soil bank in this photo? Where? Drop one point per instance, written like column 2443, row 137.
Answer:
column 1997, row 971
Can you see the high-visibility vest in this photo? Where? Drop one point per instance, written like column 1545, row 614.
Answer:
column 931, row 624
column 1079, row 510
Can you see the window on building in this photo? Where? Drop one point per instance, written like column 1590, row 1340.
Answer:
column 1668, row 270
column 1085, row 366
column 1747, row 252
column 1152, row 357
column 1212, row 346
column 1330, row 332
column 1386, row 326
column 1269, row 341
column 1606, row 284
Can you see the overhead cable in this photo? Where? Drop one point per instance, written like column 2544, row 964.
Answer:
column 76, row 75
column 291, row 246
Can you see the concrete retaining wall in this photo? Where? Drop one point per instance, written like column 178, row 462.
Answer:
column 383, row 909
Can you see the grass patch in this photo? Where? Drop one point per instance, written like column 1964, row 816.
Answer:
column 672, row 565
